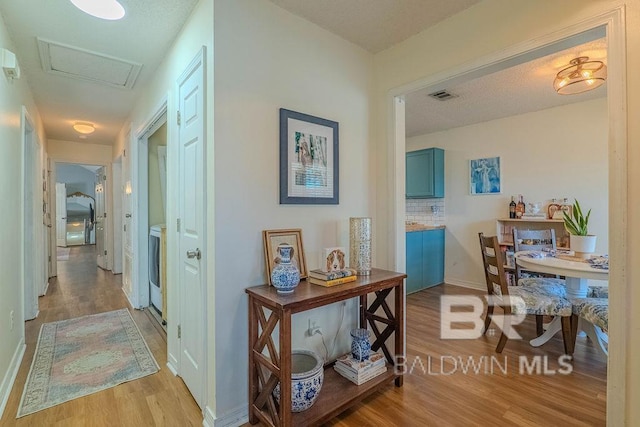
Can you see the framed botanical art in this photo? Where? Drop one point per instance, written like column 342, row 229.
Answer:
column 308, row 159
column 292, row 237
column 485, row 176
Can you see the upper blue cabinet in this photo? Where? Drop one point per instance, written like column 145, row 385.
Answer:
column 425, row 174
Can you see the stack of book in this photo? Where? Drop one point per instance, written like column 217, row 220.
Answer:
column 332, row 278
column 359, row 372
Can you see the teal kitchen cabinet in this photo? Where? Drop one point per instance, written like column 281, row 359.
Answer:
column 425, row 259
column 425, row 174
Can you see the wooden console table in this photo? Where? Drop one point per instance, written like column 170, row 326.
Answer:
column 267, row 309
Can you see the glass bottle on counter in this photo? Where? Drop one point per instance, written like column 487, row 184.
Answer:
column 512, row 208
column 520, row 207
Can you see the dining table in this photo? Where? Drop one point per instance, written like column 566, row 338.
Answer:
column 577, row 272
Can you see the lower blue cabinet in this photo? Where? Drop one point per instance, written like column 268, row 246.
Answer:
column 425, row 259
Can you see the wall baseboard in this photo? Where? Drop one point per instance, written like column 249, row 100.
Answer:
column 465, row 284
column 10, row 375
column 46, row 288
column 172, row 368
column 237, row 417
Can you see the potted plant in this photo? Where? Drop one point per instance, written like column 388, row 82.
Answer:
column 581, row 242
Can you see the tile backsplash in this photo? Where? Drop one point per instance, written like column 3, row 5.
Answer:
column 425, row 211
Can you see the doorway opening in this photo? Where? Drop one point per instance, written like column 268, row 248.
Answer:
column 151, row 217
column 615, row 135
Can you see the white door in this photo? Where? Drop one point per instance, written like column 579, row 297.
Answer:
column 117, row 188
column 31, row 221
column 101, row 218
column 127, row 240
column 61, row 214
column 191, row 211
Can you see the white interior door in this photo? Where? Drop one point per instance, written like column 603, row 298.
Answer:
column 31, row 221
column 191, row 210
column 117, row 188
column 61, row 214
column 127, row 230
column 101, row 217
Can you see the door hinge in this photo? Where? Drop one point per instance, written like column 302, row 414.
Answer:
column 125, row 227
column 178, row 225
column 49, row 258
column 179, row 331
column 178, row 118
column 105, row 251
column 105, row 215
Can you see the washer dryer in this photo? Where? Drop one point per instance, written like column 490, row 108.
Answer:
column 155, row 261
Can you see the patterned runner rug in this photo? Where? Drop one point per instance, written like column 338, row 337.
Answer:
column 77, row 357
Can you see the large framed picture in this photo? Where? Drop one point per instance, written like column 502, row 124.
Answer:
column 273, row 238
column 485, row 176
column 308, row 159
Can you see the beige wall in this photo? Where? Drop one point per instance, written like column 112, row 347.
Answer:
column 79, row 152
column 196, row 33
column 156, row 206
column 13, row 96
column 553, row 153
column 269, row 59
column 491, row 26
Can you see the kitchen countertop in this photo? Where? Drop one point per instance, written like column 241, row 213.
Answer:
column 422, row 227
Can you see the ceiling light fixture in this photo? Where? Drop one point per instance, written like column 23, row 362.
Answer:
column 110, row 10
column 84, row 127
column 582, row 75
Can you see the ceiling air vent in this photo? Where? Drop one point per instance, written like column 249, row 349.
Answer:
column 442, row 95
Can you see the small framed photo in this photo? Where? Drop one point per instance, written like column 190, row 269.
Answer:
column 308, row 159
column 485, row 176
column 333, row 259
column 273, row 238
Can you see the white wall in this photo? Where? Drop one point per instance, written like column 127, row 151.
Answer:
column 491, row 26
column 13, row 95
column 156, row 206
column 196, row 33
column 267, row 59
column 77, row 178
column 558, row 152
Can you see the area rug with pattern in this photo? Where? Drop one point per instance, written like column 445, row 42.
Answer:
column 77, row 357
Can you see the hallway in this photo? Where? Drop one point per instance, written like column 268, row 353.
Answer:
column 161, row 399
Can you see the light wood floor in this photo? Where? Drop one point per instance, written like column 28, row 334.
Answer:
column 496, row 399
column 156, row 400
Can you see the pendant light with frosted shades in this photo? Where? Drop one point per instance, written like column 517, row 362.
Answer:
column 582, row 75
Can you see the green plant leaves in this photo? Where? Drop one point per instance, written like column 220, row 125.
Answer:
column 578, row 225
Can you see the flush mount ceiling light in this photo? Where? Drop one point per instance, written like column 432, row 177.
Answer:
column 582, row 75
column 110, row 10
column 84, row 128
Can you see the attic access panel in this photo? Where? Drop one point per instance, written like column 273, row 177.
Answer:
column 77, row 63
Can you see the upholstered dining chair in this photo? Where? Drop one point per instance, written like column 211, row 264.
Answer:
column 542, row 299
column 536, row 240
column 592, row 310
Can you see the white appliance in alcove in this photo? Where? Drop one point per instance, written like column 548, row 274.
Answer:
column 155, row 261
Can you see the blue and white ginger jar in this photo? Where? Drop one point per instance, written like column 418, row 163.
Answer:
column 285, row 275
column 360, row 345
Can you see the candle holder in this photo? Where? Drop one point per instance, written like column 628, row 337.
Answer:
column 360, row 245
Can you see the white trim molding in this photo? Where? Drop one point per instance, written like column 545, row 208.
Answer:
column 11, row 374
column 465, row 284
column 237, row 417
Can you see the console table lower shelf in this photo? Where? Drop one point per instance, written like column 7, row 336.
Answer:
column 339, row 394
column 270, row 364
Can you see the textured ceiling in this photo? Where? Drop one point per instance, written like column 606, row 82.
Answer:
column 143, row 37
column 375, row 24
column 516, row 90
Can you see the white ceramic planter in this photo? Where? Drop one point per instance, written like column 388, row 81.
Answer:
column 582, row 245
